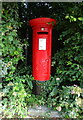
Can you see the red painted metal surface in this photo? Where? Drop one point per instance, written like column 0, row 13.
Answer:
column 42, row 41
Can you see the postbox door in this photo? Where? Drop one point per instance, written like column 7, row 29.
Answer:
column 42, row 63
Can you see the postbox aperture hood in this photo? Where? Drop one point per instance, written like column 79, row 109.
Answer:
column 42, row 20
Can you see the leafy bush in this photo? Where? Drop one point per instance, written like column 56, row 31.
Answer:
column 11, row 47
column 15, row 94
column 64, row 91
column 16, row 87
column 67, row 100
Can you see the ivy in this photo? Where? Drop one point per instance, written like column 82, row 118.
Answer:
column 14, row 92
column 65, row 87
column 63, row 92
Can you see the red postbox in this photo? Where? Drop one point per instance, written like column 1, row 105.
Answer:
column 42, row 40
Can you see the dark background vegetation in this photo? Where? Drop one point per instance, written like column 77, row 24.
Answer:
column 64, row 89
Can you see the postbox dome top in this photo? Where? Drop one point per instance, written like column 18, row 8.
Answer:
column 42, row 20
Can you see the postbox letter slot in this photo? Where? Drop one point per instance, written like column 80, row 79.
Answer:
column 42, row 32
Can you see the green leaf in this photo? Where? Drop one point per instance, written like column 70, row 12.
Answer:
column 66, row 16
column 69, row 63
column 54, row 92
column 10, row 38
column 80, row 18
column 16, row 53
column 4, row 17
column 74, row 19
column 30, row 84
column 13, row 33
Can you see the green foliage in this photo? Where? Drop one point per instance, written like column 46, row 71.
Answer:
column 70, row 99
column 64, row 91
column 68, row 60
column 65, row 99
column 15, row 94
column 71, row 18
column 15, row 103
column 3, row 68
column 16, row 87
column 11, row 46
column 61, row 93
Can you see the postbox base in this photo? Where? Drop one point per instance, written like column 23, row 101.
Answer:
column 42, row 80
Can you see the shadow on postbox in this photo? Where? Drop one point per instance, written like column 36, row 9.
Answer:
column 41, row 50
